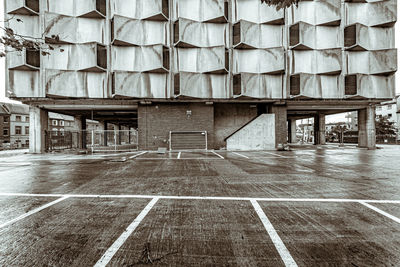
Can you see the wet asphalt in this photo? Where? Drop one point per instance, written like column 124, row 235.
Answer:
column 78, row 231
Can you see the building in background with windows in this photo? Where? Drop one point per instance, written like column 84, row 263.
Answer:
column 14, row 125
column 233, row 74
column 388, row 109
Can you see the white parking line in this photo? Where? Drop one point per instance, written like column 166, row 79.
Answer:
column 282, row 250
column 241, row 155
column 137, row 155
column 334, row 200
column 394, row 218
column 105, row 259
column 179, row 155
column 274, row 154
column 218, row 155
column 33, row 211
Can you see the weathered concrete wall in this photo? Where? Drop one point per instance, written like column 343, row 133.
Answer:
column 228, row 118
column 157, row 120
column 257, row 135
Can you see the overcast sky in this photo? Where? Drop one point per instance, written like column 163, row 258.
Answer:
column 329, row 119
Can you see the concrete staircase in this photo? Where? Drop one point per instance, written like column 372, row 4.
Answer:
column 257, row 134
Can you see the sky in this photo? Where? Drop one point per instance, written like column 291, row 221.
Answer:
column 338, row 117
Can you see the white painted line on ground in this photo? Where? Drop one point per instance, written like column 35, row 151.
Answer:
column 217, row 154
column 241, row 155
column 137, row 155
column 105, row 259
column 33, row 211
column 179, row 155
column 282, row 250
column 274, row 154
column 394, row 218
column 213, row 158
column 334, row 200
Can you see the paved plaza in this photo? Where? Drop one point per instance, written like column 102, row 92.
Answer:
column 325, row 206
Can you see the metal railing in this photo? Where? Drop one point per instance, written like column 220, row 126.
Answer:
column 92, row 140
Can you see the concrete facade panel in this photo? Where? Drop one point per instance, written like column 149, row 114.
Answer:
column 141, row 85
column 76, row 84
column 254, row 11
column 137, row 9
column 306, row 61
column 258, row 60
column 200, row 85
column 198, row 10
column 200, row 59
column 320, row 12
column 262, row 86
column 139, row 32
column 373, row 13
column 24, row 83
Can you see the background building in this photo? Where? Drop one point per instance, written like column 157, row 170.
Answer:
column 204, row 73
column 14, row 119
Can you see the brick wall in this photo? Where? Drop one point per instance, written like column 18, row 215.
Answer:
column 157, row 120
column 230, row 117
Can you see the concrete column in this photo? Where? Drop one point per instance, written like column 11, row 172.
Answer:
column 38, row 125
column 319, row 129
column 81, row 121
column 281, row 132
column 292, row 131
column 366, row 128
column 105, row 124
column 117, row 128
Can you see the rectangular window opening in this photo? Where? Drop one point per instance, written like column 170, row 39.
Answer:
column 350, row 82
column 177, row 83
column 237, row 84
column 294, row 34
column 295, row 85
column 350, row 35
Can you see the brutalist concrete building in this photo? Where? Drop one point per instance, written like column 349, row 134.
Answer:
column 205, row 73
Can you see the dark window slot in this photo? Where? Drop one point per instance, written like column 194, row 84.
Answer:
column 226, row 9
column 295, row 85
column 176, row 31
column 102, row 56
column 101, row 7
column 177, row 84
column 236, row 34
column 32, row 4
column 166, row 58
column 350, row 35
column 237, row 84
column 294, row 34
column 113, row 83
column 350, row 82
column 227, row 59
column 33, row 58
column 165, row 8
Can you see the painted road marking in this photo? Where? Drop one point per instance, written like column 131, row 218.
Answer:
column 274, row 154
column 282, row 250
column 137, row 155
column 218, row 154
column 33, row 211
column 394, row 218
column 179, row 155
column 334, row 200
column 241, row 155
column 105, row 259
column 177, row 158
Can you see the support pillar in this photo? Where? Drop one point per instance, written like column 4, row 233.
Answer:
column 281, row 132
column 319, row 129
column 117, row 129
column 366, row 128
column 292, row 131
column 105, row 127
column 38, row 125
column 82, row 131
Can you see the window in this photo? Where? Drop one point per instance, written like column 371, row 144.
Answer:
column 26, row 129
column 350, row 35
column 54, row 132
column 61, row 123
column 390, row 106
column 18, row 130
column 295, row 84
column 237, row 84
column 379, row 108
column 6, row 119
column 350, row 82
column 177, row 83
column 5, row 132
column 27, row 118
column 294, row 34
column 61, row 132
column 18, row 118
column 390, row 115
column 54, row 122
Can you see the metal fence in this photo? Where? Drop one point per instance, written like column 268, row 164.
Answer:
column 111, row 140
column 92, row 140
